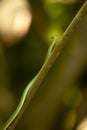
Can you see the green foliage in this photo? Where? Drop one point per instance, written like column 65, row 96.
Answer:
column 57, row 104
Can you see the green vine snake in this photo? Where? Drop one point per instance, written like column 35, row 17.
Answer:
column 27, row 89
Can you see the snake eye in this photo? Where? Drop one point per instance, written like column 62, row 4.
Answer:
column 54, row 37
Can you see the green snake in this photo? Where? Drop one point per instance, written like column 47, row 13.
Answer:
column 27, row 89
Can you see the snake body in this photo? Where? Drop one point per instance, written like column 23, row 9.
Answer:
column 26, row 90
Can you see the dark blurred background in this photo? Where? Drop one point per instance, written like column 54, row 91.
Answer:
column 60, row 103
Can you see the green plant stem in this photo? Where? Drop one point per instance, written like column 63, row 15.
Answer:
column 49, row 62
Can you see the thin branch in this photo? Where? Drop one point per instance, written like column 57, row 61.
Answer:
column 49, row 62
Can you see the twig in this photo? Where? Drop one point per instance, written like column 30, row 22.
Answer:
column 49, row 62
